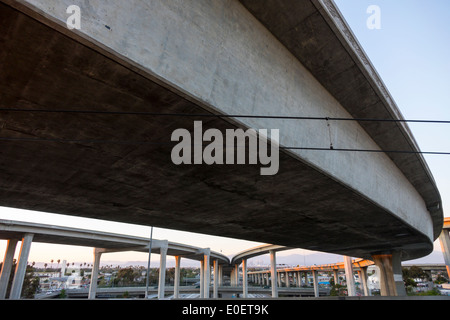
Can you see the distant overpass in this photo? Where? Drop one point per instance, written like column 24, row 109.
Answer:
column 272, row 277
column 103, row 242
column 87, row 117
column 349, row 266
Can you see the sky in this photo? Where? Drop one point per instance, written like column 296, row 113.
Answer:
column 410, row 51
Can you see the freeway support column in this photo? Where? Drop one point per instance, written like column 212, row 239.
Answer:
column 220, row 275
column 94, row 275
column 216, row 279
column 444, row 240
column 350, row 279
column 202, row 279
column 176, row 289
column 336, row 276
column 7, row 267
column 244, row 278
column 391, row 281
column 315, row 275
column 273, row 273
column 21, row 268
column 207, row 273
column 162, row 270
column 232, row 277
column 363, row 276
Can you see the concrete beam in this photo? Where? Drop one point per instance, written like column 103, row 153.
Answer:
column 257, row 251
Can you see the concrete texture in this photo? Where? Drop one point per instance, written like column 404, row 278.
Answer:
column 189, row 57
column 318, row 36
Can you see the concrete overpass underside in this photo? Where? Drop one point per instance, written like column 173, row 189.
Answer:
column 94, row 165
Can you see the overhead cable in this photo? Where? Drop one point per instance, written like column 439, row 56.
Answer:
column 211, row 115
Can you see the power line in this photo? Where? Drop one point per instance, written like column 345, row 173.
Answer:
column 211, row 115
column 135, row 142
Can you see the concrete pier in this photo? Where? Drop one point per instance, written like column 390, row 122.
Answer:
column 7, row 267
column 176, row 289
column 349, row 276
column 444, row 240
column 94, row 274
column 391, row 280
column 206, row 273
column 21, row 267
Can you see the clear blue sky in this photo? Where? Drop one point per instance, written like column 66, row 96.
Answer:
column 411, row 52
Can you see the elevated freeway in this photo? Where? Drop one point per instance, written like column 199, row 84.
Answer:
column 26, row 233
column 272, row 277
column 15, row 231
column 81, row 136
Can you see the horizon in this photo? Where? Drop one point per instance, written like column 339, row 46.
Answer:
column 291, row 260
